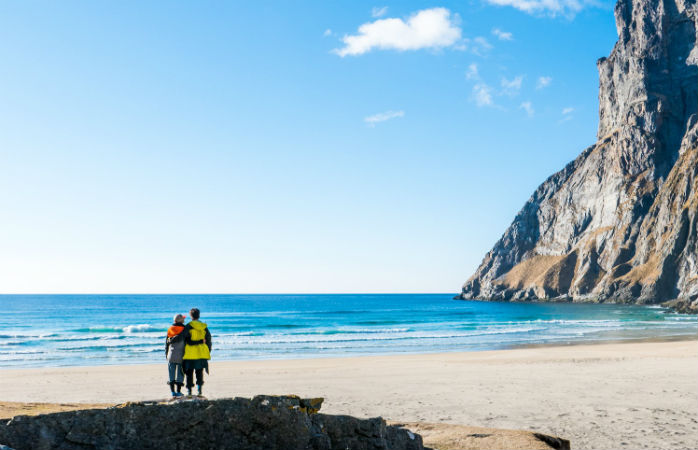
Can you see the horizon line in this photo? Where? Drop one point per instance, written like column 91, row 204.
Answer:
column 223, row 293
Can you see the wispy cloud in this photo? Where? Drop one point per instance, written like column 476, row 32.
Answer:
column 566, row 114
column 472, row 73
column 327, row 32
column 567, row 8
column 480, row 45
column 511, row 87
column 382, row 117
column 543, row 82
column 482, row 94
column 429, row 28
column 379, row 11
column 502, row 35
column 528, row 107
column 477, row 46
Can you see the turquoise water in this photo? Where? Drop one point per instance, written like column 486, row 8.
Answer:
column 73, row 330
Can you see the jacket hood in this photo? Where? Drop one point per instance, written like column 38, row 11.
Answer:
column 197, row 325
column 175, row 329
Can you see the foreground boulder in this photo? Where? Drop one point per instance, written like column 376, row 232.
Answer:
column 264, row 422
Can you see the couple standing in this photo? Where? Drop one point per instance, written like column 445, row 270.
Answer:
column 188, row 349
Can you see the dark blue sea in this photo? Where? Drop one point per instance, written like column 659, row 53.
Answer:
column 78, row 330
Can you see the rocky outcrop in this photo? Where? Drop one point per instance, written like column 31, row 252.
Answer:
column 264, row 422
column 683, row 305
column 619, row 223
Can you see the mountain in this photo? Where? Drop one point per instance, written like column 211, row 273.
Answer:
column 619, row 223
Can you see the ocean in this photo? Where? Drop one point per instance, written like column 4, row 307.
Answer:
column 80, row 330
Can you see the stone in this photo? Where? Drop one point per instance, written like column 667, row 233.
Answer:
column 683, row 305
column 620, row 222
column 263, row 422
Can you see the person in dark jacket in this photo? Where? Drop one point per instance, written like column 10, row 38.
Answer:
column 174, row 352
column 197, row 351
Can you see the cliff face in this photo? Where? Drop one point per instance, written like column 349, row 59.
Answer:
column 619, row 223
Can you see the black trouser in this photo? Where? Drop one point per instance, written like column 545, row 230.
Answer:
column 190, row 377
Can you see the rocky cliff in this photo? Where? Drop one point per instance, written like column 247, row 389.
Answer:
column 619, row 223
column 264, row 422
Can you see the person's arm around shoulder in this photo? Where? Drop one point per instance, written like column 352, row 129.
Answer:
column 187, row 336
column 208, row 339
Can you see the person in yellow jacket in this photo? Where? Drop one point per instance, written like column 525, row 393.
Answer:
column 197, row 350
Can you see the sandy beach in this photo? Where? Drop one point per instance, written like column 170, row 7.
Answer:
column 620, row 395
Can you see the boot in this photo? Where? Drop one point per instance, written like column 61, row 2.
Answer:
column 198, row 390
column 172, row 388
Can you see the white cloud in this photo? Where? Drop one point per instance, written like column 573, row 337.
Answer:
column 566, row 114
column 379, row 12
column 327, row 32
column 512, row 87
column 462, row 45
column 543, row 82
column 480, row 45
column 482, row 94
column 428, row 28
column 528, row 107
column 502, row 35
column 382, row 117
column 472, row 73
column 567, row 8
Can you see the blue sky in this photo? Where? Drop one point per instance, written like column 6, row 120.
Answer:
column 281, row 146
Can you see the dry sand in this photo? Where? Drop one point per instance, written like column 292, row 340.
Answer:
column 623, row 395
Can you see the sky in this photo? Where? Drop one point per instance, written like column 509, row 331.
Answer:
column 281, row 147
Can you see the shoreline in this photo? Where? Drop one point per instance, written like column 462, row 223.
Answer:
column 591, row 342
column 676, row 338
column 293, row 327
column 597, row 396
